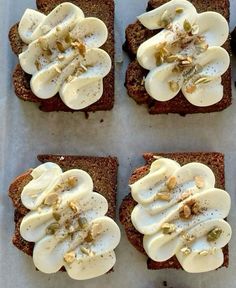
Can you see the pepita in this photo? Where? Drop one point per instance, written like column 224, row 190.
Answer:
column 179, row 10
column 187, row 26
column 52, row 228
column 214, row 234
column 168, row 228
column 185, row 250
column 174, row 86
column 69, row 257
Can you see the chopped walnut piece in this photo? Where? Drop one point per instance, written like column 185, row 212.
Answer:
column 191, row 88
column 186, row 250
column 80, row 46
column 60, row 46
column 162, row 196
column 189, row 209
column 37, row 64
column 171, row 183
column 186, row 212
column 69, row 257
column 71, row 182
column 56, row 216
column 73, row 206
column 61, row 57
column 199, row 181
column 96, row 230
column 204, row 253
column 168, row 228
column 187, row 237
column 159, row 58
column 185, row 195
column 89, row 238
column 51, row 199
column 86, row 251
column 174, row 86
column 58, row 70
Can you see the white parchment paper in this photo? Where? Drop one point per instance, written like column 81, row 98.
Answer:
column 127, row 131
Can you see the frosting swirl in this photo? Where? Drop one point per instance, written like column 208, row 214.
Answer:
column 67, row 222
column 181, row 213
column 186, row 55
column 63, row 54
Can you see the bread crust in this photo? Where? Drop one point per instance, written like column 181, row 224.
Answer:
column 214, row 160
column 104, row 10
column 136, row 34
column 103, row 171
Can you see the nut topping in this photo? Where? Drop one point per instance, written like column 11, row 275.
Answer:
column 71, row 182
column 51, row 199
column 162, row 196
column 80, row 46
column 185, row 195
column 37, row 64
column 83, row 222
column 187, row 26
column 204, row 253
column 168, row 228
column 89, row 238
column 52, row 228
column 56, row 216
column 174, row 86
column 214, row 234
column 187, row 237
column 60, row 46
column 186, row 250
column 179, row 10
column 199, row 181
column 86, row 251
column 69, row 257
column 165, row 19
column 191, row 88
column 202, row 80
column 189, row 209
column 73, row 206
column 96, row 230
column 171, row 183
column 159, row 59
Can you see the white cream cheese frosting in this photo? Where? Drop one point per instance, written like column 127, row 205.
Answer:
column 63, row 54
column 186, row 54
column 67, row 222
column 180, row 212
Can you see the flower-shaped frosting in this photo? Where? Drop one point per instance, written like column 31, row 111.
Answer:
column 67, row 222
column 181, row 213
column 186, row 55
column 63, row 54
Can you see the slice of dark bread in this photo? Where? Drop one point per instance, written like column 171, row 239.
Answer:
column 103, row 171
column 136, row 34
column 103, row 10
column 214, row 160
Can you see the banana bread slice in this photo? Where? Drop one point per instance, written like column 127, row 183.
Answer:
column 103, row 171
column 215, row 161
column 103, row 10
column 136, row 34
